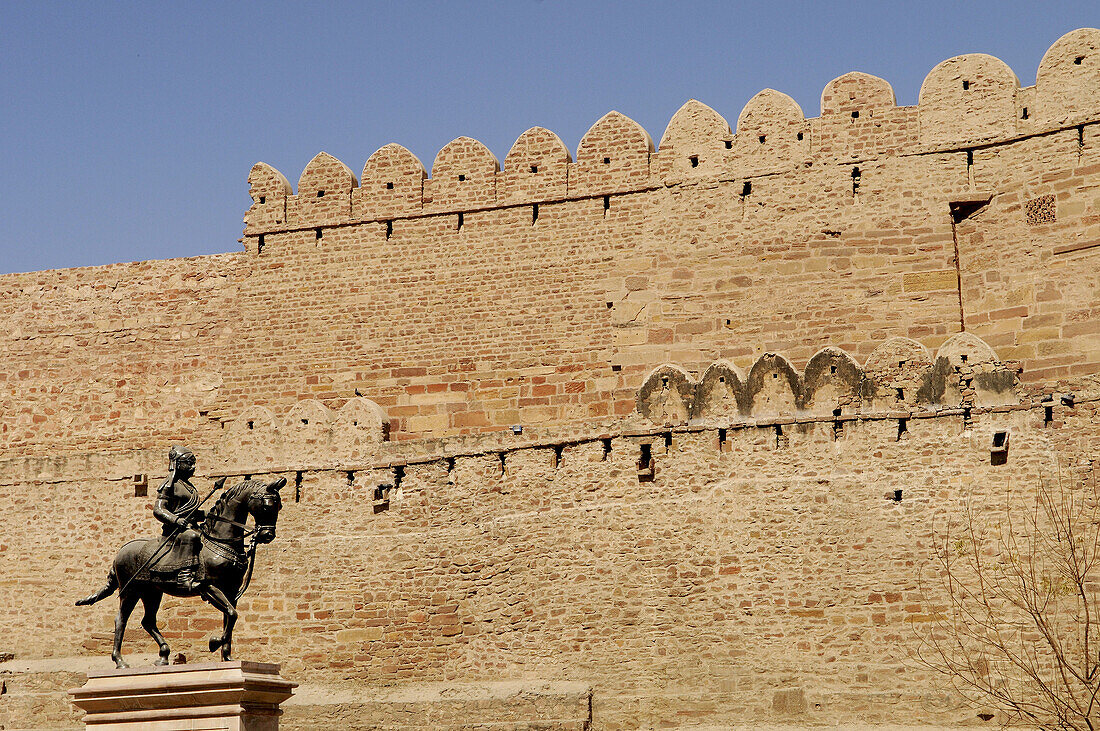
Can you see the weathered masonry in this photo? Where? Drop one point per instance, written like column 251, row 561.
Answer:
column 666, row 429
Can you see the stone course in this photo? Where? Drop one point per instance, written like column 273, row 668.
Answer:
column 751, row 369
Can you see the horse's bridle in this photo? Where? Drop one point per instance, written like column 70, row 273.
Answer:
column 246, row 530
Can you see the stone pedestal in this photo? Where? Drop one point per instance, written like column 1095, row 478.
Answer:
column 221, row 696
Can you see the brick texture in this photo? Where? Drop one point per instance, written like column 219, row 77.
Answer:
column 749, row 369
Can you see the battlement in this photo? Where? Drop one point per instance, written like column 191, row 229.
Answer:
column 965, row 102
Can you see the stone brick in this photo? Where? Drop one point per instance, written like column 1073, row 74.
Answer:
column 929, row 281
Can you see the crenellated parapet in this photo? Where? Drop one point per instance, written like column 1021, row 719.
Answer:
column 694, row 144
column 968, row 98
column 535, row 169
column 966, row 101
column 392, row 185
column 1068, row 81
column 324, row 193
column 900, row 376
column 464, row 177
column 269, row 190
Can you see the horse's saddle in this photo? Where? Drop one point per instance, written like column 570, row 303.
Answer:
column 181, row 553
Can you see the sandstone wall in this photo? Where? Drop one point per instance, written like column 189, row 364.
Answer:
column 542, row 293
column 751, row 367
column 751, row 569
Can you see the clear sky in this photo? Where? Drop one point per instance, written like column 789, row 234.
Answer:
column 127, row 130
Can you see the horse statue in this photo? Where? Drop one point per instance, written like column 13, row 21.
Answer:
column 143, row 569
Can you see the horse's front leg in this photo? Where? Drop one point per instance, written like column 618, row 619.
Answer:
column 225, row 642
column 126, row 604
column 151, row 599
column 214, row 595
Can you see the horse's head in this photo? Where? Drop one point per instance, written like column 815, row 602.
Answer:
column 264, row 504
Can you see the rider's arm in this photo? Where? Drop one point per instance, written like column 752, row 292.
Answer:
column 160, row 507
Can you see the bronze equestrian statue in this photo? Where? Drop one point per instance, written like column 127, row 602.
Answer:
column 199, row 554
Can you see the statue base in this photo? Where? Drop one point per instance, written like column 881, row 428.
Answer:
column 217, row 696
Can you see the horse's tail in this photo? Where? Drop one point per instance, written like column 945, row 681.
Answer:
column 106, row 591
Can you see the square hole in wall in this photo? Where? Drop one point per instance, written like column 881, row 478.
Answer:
column 646, row 464
column 389, row 186
column 998, row 453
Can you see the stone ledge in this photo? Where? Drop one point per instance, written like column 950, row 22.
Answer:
column 500, row 705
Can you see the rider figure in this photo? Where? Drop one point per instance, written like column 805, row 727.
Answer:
column 175, row 507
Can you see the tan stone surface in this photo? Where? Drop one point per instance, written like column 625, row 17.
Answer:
column 726, row 355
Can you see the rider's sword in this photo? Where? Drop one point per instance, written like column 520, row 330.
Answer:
column 217, row 486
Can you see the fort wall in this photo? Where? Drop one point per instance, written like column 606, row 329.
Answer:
column 747, row 570
column 748, row 368
column 482, row 297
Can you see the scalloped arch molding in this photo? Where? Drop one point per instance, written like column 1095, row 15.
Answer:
column 898, row 375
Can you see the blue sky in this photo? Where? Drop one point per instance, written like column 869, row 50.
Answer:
column 127, row 130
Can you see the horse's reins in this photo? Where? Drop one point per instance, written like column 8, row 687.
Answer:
column 247, row 531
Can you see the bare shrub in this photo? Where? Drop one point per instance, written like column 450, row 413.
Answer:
column 1016, row 625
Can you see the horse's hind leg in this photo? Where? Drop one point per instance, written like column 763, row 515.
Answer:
column 151, row 601
column 215, row 596
column 126, row 604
